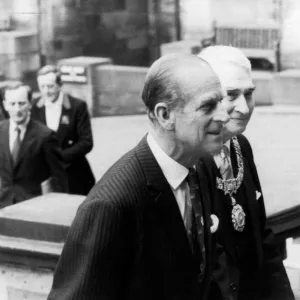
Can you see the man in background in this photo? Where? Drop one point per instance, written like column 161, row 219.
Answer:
column 30, row 158
column 69, row 118
column 255, row 264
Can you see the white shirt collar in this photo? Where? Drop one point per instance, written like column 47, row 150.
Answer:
column 57, row 103
column 174, row 172
column 228, row 144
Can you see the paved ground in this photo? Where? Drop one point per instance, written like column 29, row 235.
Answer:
column 273, row 132
column 275, row 138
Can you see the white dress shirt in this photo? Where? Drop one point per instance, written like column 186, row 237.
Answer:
column 174, row 173
column 53, row 112
column 13, row 132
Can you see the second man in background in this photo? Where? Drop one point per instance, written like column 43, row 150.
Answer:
column 70, row 119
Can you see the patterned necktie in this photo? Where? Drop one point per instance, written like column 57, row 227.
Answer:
column 194, row 216
column 16, row 146
column 225, row 165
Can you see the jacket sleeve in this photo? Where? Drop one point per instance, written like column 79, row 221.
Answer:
column 84, row 143
column 275, row 282
column 54, row 159
column 95, row 259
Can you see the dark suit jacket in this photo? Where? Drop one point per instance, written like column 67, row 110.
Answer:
column 128, row 240
column 269, row 279
column 3, row 113
column 75, row 138
column 39, row 159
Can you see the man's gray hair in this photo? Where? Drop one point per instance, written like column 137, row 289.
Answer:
column 217, row 55
column 162, row 83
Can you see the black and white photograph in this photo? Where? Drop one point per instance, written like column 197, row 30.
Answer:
column 149, row 150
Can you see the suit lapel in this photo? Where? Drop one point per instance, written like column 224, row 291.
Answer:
column 4, row 142
column 172, row 221
column 39, row 112
column 65, row 118
column 163, row 199
column 26, row 142
column 250, row 192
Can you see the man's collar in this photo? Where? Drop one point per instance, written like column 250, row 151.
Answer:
column 227, row 144
column 174, row 172
column 58, row 102
column 65, row 101
column 13, row 125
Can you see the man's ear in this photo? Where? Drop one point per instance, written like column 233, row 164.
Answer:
column 164, row 116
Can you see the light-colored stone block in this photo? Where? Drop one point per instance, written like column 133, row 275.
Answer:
column 262, row 81
column 286, row 87
column 21, row 283
column 184, row 47
column 118, row 79
column 126, row 103
column 45, row 218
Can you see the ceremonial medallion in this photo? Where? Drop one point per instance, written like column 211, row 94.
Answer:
column 238, row 218
column 231, row 186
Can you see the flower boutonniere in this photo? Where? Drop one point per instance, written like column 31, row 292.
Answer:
column 65, row 120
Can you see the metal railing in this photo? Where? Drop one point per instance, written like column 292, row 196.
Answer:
column 252, row 38
column 257, row 42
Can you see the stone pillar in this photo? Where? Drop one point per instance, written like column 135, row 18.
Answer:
column 25, row 14
column 60, row 29
column 290, row 43
column 196, row 19
column 161, row 25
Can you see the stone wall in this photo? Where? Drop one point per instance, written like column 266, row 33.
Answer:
column 196, row 19
column 70, row 28
column 290, row 34
column 117, row 32
column 161, row 25
column 119, row 90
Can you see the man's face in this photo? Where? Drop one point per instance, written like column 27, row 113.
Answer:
column 238, row 101
column 17, row 104
column 48, row 87
column 199, row 124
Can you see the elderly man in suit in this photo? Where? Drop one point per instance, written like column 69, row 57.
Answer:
column 30, row 158
column 69, row 118
column 255, row 265
column 144, row 231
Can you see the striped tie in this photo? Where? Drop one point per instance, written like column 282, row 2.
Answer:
column 194, row 215
column 225, row 165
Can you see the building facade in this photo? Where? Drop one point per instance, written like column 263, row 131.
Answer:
column 131, row 31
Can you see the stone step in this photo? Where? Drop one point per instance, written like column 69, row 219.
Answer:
column 30, row 253
column 44, row 218
column 292, row 264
